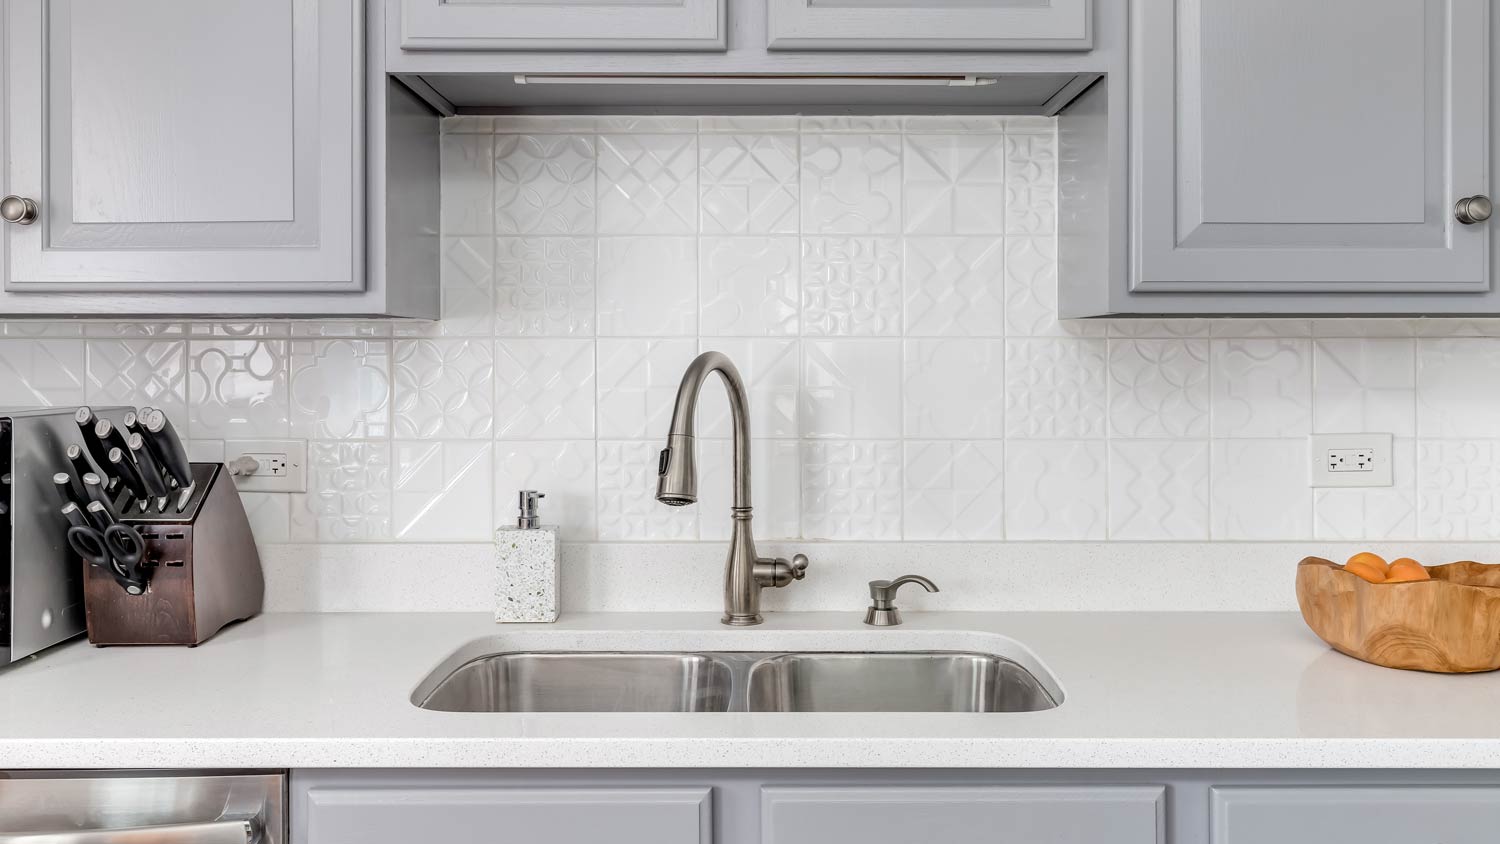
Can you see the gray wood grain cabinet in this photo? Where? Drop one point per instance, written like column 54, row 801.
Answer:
column 174, row 147
column 923, row 25
column 585, row 25
column 479, row 815
column 895, row 815
column 1372, row 815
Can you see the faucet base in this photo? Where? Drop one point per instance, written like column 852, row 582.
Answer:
column 742, row 620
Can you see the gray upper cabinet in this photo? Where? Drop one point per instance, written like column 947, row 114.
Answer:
column 573, row 25
column 484, row 815
column 897, row 815
column 1288, row 147
column 1370, row 815
column 184, row 147
column 923, row 25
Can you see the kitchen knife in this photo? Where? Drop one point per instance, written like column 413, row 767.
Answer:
column 110, row 435
column 130, row 422
column 68, row 491
column 168, row 448
column 95, row 489
column 123, row 466
column 151, row 474
column 87, row 420
column 81, row 465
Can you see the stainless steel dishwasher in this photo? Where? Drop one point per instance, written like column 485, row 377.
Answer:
column 147, row 807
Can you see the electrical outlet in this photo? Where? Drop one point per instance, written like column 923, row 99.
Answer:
column 267, row 465
column 1350, row 460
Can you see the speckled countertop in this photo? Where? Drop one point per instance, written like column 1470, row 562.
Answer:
column 1141, row 690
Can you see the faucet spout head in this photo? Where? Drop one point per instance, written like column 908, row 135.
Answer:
column 677, row 472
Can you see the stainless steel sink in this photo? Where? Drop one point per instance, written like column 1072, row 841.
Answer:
column 893, row 682
column 585, row 681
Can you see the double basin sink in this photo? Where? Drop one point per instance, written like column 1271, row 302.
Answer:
column 578, row 681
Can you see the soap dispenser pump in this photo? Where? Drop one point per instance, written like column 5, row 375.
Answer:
column 526, row 556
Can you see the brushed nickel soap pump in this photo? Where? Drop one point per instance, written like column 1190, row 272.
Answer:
column 745, row 574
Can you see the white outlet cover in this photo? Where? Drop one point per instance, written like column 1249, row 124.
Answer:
column 295, row 479
column 1379, row 445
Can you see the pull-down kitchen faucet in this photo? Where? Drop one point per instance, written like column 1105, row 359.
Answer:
column 745, row 574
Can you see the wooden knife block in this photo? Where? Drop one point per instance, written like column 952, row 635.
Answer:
column 205, row 570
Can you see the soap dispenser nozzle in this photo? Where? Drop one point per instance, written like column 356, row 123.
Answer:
column 529, row 501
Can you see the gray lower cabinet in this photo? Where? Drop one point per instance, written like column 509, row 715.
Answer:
column 924, row 25
column 479, row 815
column 573, row 25
column 1369, row 815
column 940, row 815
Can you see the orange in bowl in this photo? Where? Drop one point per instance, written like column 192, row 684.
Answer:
column 1406, row 570
column 1371, row 567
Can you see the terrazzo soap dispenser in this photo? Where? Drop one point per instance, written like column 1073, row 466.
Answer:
column 526, row 556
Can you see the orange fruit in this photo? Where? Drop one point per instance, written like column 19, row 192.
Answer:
column 1373, row 559
column 1407, row 570
column 1365, row 569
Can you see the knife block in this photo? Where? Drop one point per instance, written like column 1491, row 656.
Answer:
column 204, row 570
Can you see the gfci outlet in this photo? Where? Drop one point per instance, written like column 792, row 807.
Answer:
column 1350, row 460
column 267, row 465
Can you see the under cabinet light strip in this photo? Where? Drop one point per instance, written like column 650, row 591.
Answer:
column 749, row 79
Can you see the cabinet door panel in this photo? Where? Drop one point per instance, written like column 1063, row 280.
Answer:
column 485, row 815
column 185, row 146
column 562, row 25
column 919, row 25
column 1384, row 815
column 936, row 815
column 1309, row 147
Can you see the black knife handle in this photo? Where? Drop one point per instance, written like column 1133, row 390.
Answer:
column 168, row 447
column 156, row 485
column 95, row 489
column 110, row 435
column 122, row 465
column 97, row 449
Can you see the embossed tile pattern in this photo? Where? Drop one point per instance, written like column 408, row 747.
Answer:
column 887, row 287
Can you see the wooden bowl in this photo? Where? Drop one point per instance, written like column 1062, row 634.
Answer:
column 1449, row 624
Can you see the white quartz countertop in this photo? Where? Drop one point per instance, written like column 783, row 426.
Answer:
column 1141, row 690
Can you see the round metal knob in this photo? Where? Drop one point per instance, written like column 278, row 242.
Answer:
column 1469, row 210
column 18, row 210
column 799, row 566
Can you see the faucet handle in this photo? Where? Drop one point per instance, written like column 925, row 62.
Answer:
column 775, row 572
column 799, row 566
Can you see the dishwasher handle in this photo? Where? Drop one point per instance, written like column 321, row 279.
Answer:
column 243, row 831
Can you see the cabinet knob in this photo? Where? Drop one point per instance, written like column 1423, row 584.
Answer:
column 18, row 210
column 1469, row 210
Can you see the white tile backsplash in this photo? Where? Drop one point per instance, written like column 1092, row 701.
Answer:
column 887, row 287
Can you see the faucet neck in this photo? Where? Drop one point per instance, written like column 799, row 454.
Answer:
column 685, row 409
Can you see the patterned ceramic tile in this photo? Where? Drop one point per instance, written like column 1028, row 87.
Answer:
column 851, row 389
column 775, row 489
column 1031, row 184
column 348, row 496
column 954, row 389
column 851, row 184
column 648, row 286
column 544, row 389
column 1158, row 328
column 1458, row 490
column 33, row 328
column 954, row 184
column 747, row 286
column 267, row 328
column 1158, row 388
column 955, row 286
column 851, row 286
column 1262, row 387
column 138, row 372
column 947, row 124
column 1456, row 395
column 341, row 389
column 628, row 509
column 1055, row 388
column 467, row 183
column 128, row 330
column 1446, row 327
column 862, row 123
column 466, row 285
column 238, row 388
column 544, row 184
column 544, row 287
column 851, row 490
column 444, row 389
column 544, row 124
column 748, row 184
column 564, row 471
column 1158, row 490
column 441, row 491
column 646, row 123
column 648, row 184
column 638, row 383
column 466, row 125
column 1364, row 385
column 771, row 371
column 1031, row 292
column 360, row 329
column 1261, row 327
column 270, row 516
column 1364, row 328
column 1374, row 514
column 1259, row 490
column 42, row 373
column 740, row 124
column 1055, row 490
column 954, row 491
